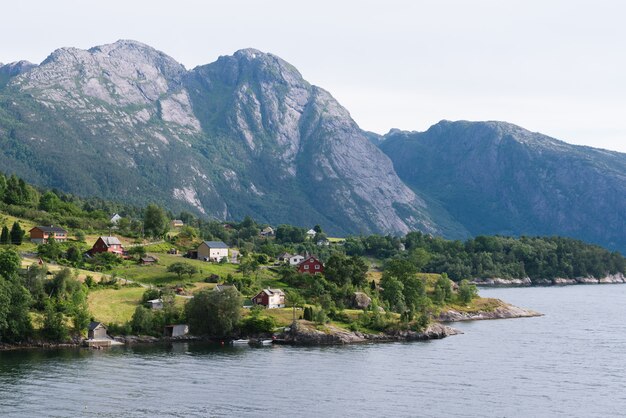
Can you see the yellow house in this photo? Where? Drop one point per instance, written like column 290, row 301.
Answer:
column 212, row 251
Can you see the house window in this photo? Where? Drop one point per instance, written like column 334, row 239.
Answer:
column 317, row 267
column 306, row 267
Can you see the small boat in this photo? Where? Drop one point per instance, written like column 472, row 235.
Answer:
column 240, row 342
column 267, row 342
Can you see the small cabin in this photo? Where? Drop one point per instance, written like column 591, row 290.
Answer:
column 97, row 331
column 267, row 232
column 178, row 330
column 147, row 260
column 177, row 223
column 284, row 257
column 155, row 304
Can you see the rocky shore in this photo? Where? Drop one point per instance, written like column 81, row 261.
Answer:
column 558, row 281
column 73, row 343
column 308, row 334
column 505, row 311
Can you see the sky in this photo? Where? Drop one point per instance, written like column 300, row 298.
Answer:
column 552, row 66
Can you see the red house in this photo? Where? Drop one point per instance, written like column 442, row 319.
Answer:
column 40, row 234
column 108, row 245
column 311, row 265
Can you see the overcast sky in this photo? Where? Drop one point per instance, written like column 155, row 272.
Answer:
column 556, row 67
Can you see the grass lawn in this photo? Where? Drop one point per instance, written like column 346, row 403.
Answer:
column 283, row 316
column 8, row 220
column 478, row 304
column 156, row 274
column 114, row 306
column 53, row 268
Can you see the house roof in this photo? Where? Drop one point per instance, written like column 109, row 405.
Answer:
column 94, row 325
column 215, row 244
column 51, row 228
column 153, row 301
column 271, row 292
column 111, row 241
column 148, row 258
column 311, row 232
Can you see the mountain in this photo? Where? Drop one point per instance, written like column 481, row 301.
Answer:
column 243, row 135
column 497, row 178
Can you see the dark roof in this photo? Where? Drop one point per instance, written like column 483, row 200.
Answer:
column 51, row 229
column 148, row 258
column 111, row 241
column 94, row 325
column 215, row 244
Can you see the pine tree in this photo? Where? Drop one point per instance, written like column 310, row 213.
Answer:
column 4, row 237
column 17, row 234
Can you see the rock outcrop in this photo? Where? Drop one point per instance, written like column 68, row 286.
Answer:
column 504, row 311
column 307, row 334
column 360, row 300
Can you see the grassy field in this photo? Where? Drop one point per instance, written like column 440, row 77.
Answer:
column 157, row 275
column 114, row 305
column 478, row 304
column 283, row 316
column 53, row 268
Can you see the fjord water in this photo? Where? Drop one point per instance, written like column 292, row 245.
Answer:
column 569, row 362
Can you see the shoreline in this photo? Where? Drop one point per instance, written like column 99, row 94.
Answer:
column 310, row 334
column 618, row 278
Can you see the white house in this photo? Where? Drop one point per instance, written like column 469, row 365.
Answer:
column 212, row 251
column 311, row 233
column 294, row 260
column 115, row 219
column 270, row 298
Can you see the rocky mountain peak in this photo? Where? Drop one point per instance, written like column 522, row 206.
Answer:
column 122, row 73
column 16, row 68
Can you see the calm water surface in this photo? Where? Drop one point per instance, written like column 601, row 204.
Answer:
column 569, row 362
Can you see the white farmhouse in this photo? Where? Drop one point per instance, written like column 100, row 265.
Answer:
column 212, row 251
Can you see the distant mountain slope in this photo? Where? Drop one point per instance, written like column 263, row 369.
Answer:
column 497, row 178
column 244, row 135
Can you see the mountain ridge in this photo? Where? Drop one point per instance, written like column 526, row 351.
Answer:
column 511, row 181
column 244, row 134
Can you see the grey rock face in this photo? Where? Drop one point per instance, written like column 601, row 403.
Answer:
column 245, row 135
